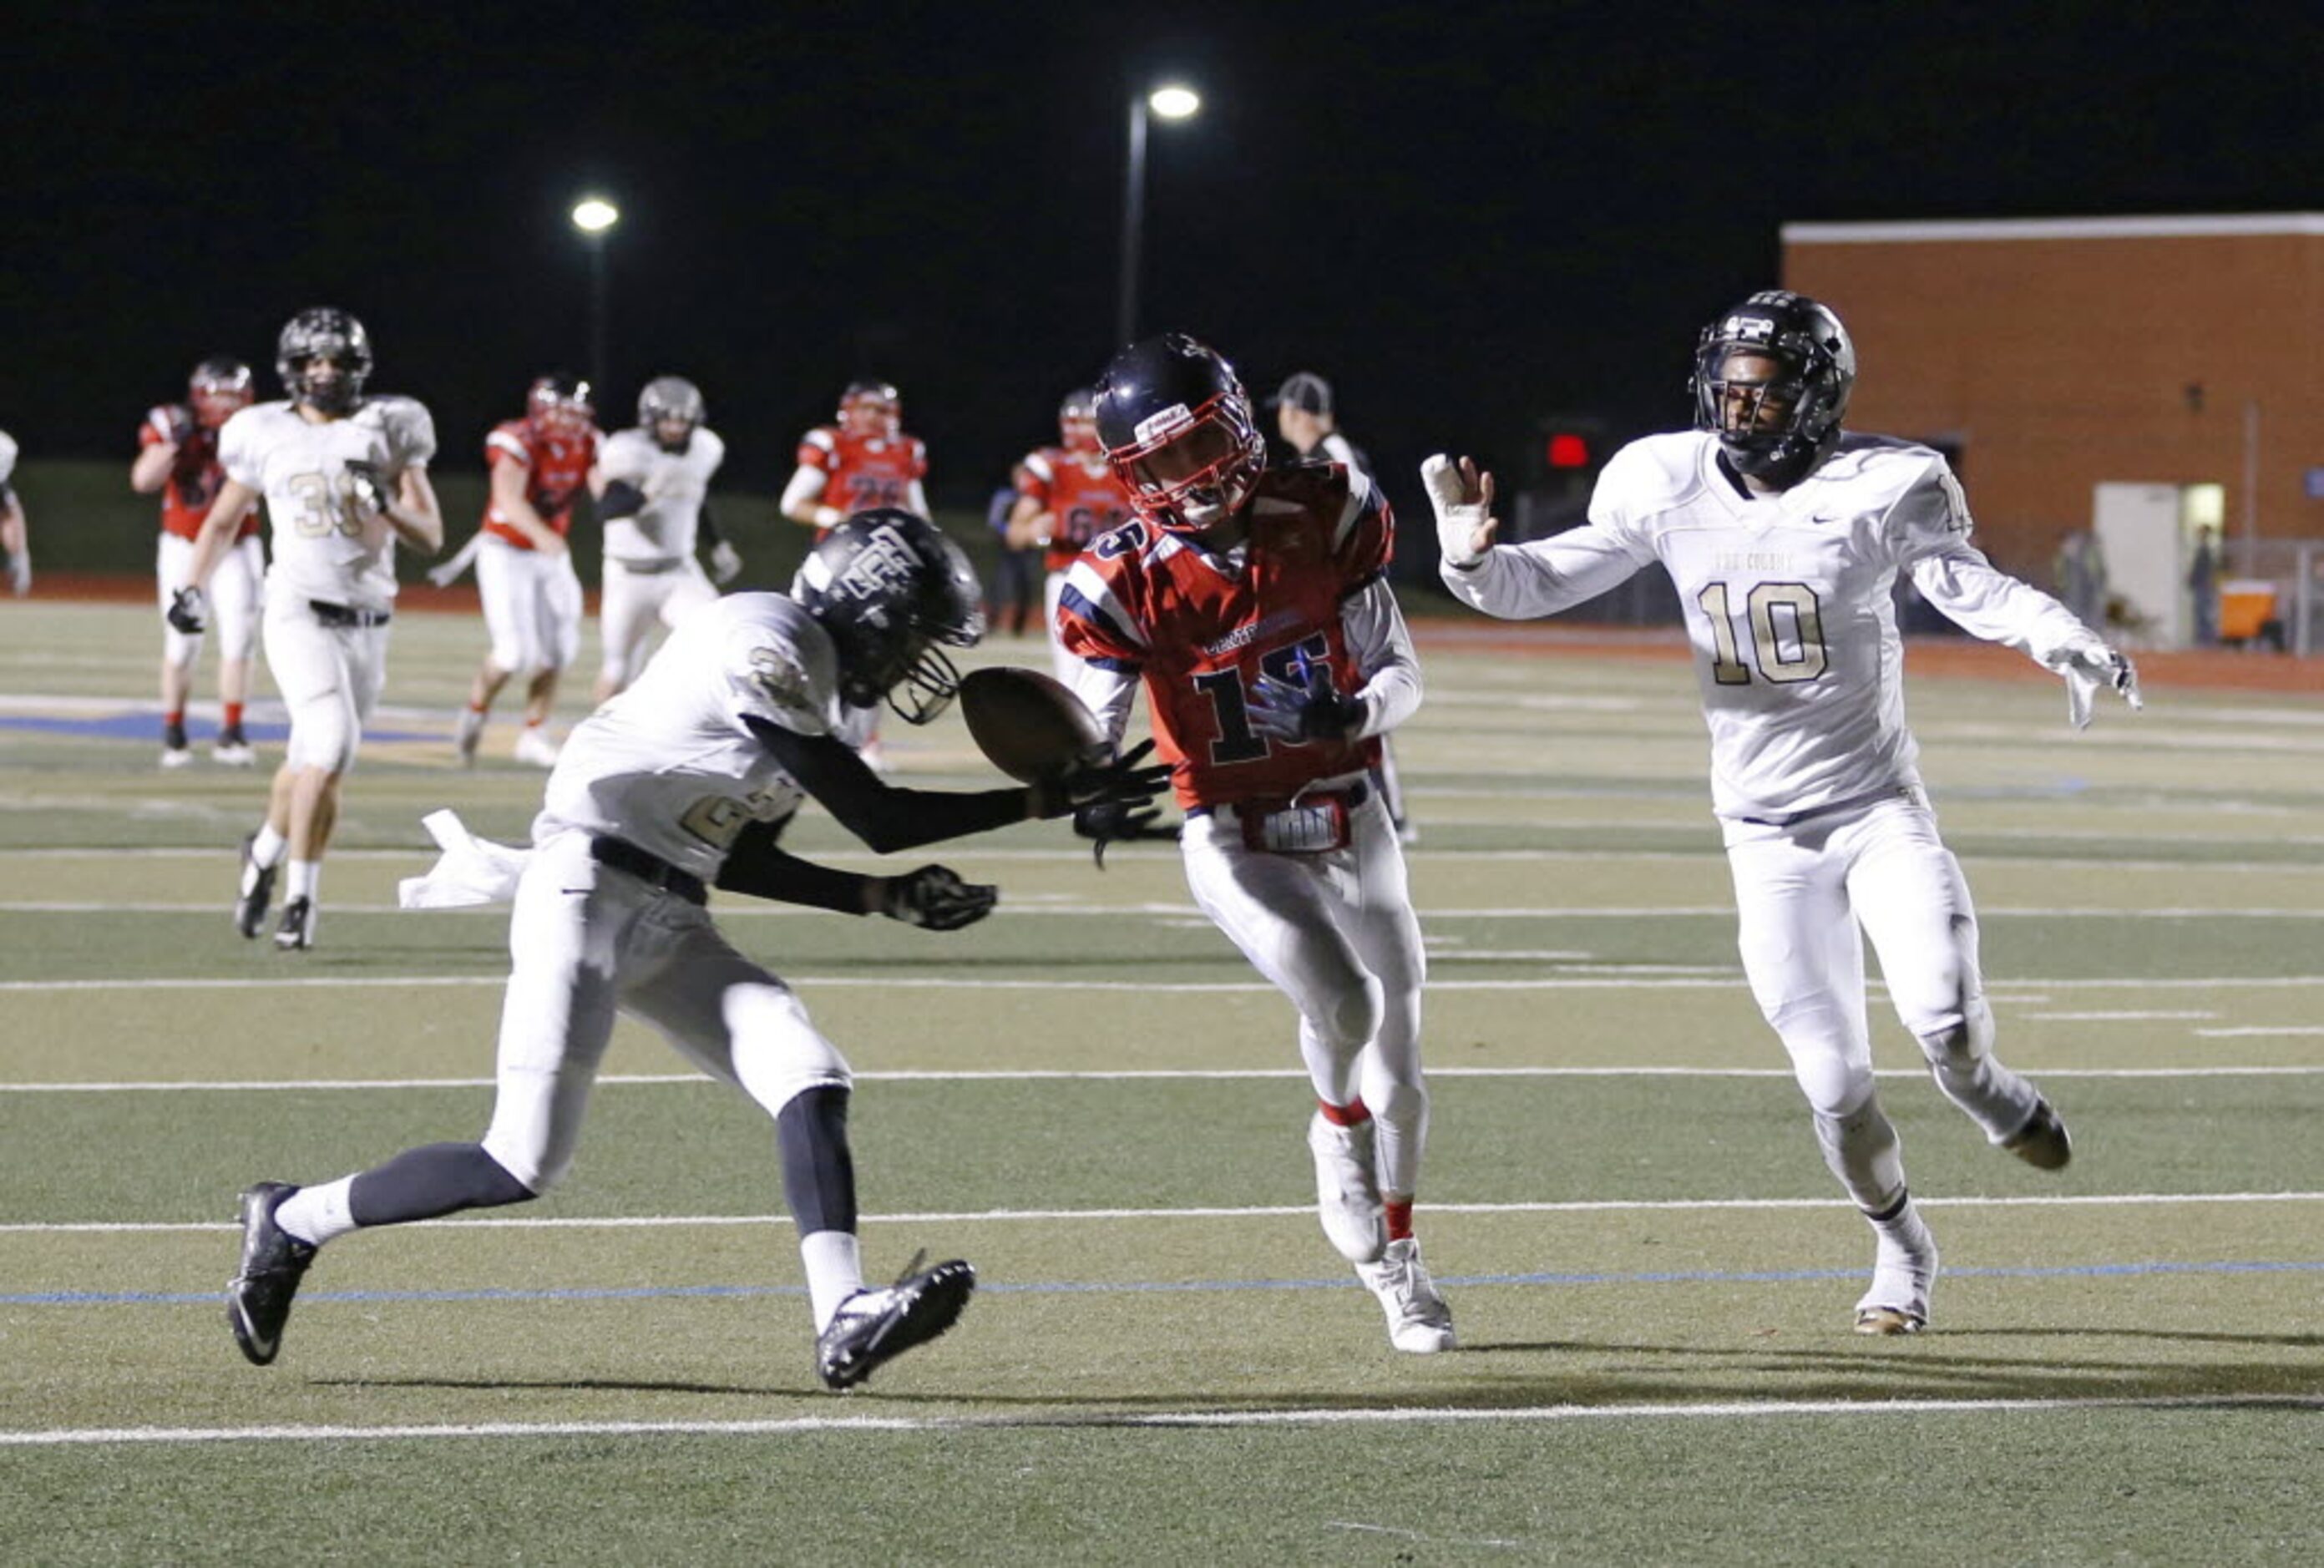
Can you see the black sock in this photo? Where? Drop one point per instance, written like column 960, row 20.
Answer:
column 441, row 1178
column 818, row 1167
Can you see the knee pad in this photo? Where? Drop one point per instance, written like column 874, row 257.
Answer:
column 1957, row 1040
column 778, row 1054
column 1352, row 1018
column 1832, row 1068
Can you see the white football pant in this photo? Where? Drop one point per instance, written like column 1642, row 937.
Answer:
column 329, row 677
column 1336, row 934
column 532, row 606
column 630, row 600
column 1801, row 895
column 587, row 942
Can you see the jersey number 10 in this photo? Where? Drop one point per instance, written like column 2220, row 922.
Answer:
column 1785, row 623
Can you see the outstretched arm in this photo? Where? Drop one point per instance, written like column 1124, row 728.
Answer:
column 1515, row 582
column 932, row 896
column 1986, row 602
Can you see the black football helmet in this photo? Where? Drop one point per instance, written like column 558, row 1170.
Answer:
column 671, row 397
column 324, row 333
column 220, row 386
column 1178, row 430
column 1778, row 429
column 890, row 588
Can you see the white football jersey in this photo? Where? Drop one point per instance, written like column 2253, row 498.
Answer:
column 324, row 547
column 1788, row 602
column 669, row 764
column 8, row 455
column 675, row 484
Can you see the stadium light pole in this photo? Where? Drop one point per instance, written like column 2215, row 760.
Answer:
column 596, row 216
column 1171, row 101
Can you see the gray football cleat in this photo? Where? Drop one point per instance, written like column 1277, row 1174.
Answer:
column 875, row 1327
column 273, row 1261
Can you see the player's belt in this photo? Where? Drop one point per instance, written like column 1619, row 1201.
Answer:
column 331, row 614
column 625, row 856
column 1793, row 819
column 652, row 569
column 1315, row 822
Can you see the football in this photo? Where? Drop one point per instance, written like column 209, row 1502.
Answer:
column 1027, row 724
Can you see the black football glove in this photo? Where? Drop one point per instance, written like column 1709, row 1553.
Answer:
column 1120, row 783
column 1282, row 712
column 1115, row 821
column 934, row 899
column 189, row 612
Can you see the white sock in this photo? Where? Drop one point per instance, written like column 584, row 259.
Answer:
column 317, row 1215
column 834, row 1271
column 304, row 875
column 267, row 848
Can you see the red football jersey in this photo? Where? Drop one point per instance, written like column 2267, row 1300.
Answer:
column 1079, row 492
column 559, row 467
column 862, row 472
column 194, row 476
column 1200, row 631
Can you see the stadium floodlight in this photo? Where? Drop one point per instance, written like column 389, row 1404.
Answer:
column 593, row 215
column 1169, row 101
column 596, row 216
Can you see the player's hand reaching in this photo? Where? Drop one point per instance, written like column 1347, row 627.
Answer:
column 189, row 612
column 368, row 487
column 1282, row 712
column 2088, row 665
column 726, row 563
column 934, row 899
column 1115, row 821
column 1463, row 499
column 1126, row 780
column 173, row 424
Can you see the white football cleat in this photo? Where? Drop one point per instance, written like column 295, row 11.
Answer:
column 234, row 751
column 1418, row 1320
column 536, row 748
column 176, row 757
column 1903, row 1273
column 1347, row 1194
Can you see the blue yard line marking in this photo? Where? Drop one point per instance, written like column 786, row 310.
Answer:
column 147, row 726
column 1149, row 1287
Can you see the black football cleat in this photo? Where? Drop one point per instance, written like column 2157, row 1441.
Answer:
column 273, row 1261
column 2043, row 1142
column 874, row 1326
column 296, row 932
column 257, row 891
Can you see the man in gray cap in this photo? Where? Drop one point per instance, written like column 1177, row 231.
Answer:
column 1304, row 420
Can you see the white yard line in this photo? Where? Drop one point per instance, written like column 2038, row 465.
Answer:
column 1638, row 977
column 803, row 1425
column 1305, row 1211
column 2237, row 1033
column 727, row 909
column 1125, row 1074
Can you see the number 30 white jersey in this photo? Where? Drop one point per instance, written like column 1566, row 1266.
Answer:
column 325, row 545
column 670, row 765
column 1788, row 604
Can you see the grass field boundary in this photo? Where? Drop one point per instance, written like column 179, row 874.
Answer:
column 810, row 1426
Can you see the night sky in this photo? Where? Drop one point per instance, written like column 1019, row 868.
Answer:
column 1465, row 216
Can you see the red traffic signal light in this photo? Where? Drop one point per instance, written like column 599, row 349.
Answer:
column 1568, row 449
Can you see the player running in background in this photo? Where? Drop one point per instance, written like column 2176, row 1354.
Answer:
column 345, row 477
column 1067, row 496
column 177, row 457
column 1786, row 536
column 1254, row 605
column 524, row 560
column 653, row 496
column 862, row 461
column 16, row 534
column 684, row 782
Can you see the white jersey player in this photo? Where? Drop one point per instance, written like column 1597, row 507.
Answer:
column 653, row 491
column 345, row 477
column 15, row 540
column 1784, row 538
column 684, row 781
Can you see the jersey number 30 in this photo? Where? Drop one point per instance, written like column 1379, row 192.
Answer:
column 1786, row 626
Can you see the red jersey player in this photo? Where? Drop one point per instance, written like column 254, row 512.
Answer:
column 1254, row 607
column 524, row 571
column 862, row 461
column 177, row 456
column 1067, row 497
